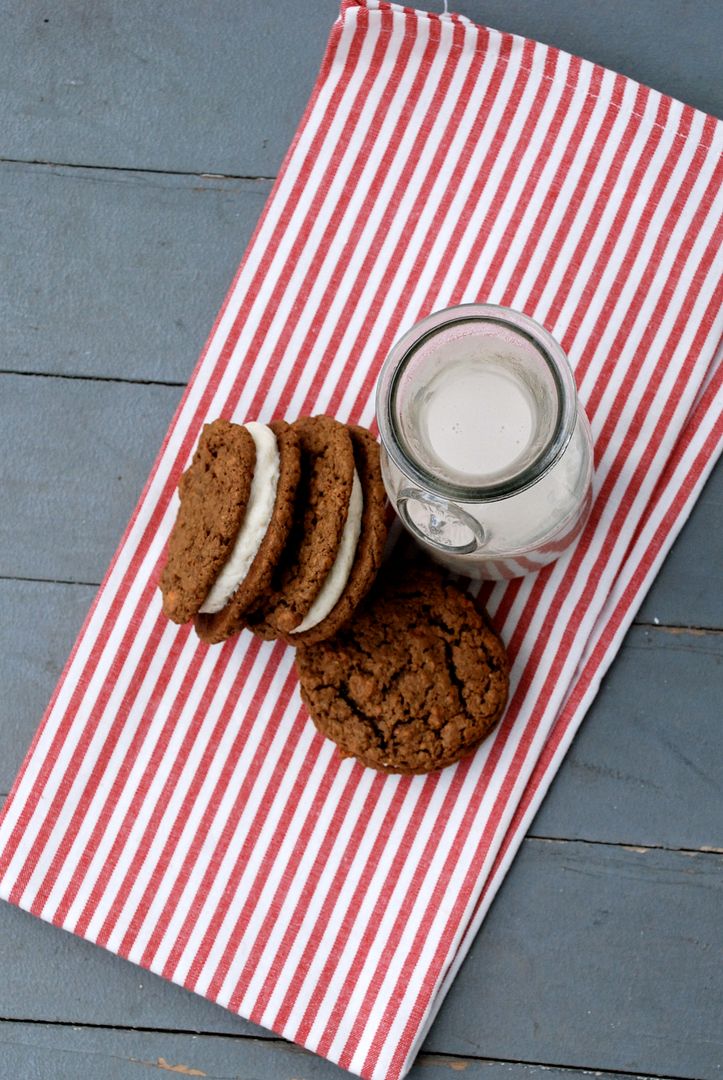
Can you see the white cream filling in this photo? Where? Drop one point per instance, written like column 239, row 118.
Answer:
column 338, row 576
column 259, row 511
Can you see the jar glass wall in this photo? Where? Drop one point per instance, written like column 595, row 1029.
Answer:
column 486, row 452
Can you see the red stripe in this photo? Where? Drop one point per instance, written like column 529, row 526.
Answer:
column 607, row 185
column 568, row 214
column 625, row 604
column 391, row 331
column 226, row 777
column 646, row 278
column 546, row 147
column 538, row 106
column 384, row 895
column 291, row 201
column 508, row 179
column 634, row 345
column 544, row 696
column 265, row 864
column 145, row 841
column 365, row 876
column 350, row 1046
column 322, row 852
column 220, row 850
column 156, row 514
column 63, row 788
column 433, row 108
column 375, row 191
column 368, row 266
column 83, row 861
column 326, row 910
column 292, row 258
column 618, row 230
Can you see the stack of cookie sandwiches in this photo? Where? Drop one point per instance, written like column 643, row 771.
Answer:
column 281, row 530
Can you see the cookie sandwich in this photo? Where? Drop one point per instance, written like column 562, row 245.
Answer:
column 235, row 513
column 336, row 544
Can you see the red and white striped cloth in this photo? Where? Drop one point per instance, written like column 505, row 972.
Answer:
column 176, row 805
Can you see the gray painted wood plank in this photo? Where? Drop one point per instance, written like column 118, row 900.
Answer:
column 98, row 987
column 117, row 274
column 38, row 625
column 598, row 956
column 39, row 1051
column 687, row 591
column 177, row 85
column 593, row 956
column 647, row 764
column 74, row 456
column 168, row 85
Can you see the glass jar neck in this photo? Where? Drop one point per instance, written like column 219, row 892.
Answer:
column 476, row 403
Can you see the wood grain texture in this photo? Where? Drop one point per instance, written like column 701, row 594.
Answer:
column 646, row 766
column 73, row 473
column 598, row 956
column 665, row 44
column 688, row 590
column 74, row 456
column 111, row 274
column 40, row 1051
column 38, row 626
column 592, row 956
column 173, row 85
column 180, row 86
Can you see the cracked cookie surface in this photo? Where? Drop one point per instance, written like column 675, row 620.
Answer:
column 414, row 682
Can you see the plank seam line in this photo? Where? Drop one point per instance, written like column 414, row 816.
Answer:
column 675, row 628
column 637, row 848
column 47, row 581
column 91, row 378
column 133, row 169
column 271, row 1038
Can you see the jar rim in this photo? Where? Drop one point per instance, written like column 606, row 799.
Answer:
column 401, row 354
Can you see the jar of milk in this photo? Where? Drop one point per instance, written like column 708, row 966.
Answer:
column 486, row 452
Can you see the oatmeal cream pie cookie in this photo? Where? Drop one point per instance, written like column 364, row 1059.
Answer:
column 324, row 534
column 236, row 508
column 414, row 682
column 356, row 570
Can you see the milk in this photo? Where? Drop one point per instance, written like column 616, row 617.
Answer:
column 487, row 455
column 476, row 419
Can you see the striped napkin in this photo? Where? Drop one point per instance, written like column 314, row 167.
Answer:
column 176, row 805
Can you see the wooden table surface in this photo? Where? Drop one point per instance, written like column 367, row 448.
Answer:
column 139, row 141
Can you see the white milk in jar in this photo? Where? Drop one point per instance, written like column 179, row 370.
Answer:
column 487, row 456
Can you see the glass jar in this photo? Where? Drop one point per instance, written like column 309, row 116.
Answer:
column 486, row 453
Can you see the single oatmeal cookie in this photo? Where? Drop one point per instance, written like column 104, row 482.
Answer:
column 414, row 682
